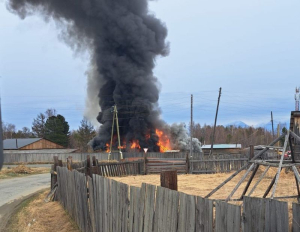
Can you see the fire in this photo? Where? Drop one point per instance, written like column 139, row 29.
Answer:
column 107, row 147
column 163, row 142
column 135, row 145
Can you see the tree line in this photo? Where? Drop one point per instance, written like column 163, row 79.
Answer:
column 245, row 136
column 54, row 127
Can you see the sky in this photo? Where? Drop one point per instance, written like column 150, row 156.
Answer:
column 249, row 48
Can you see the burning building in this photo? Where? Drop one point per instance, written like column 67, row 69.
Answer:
column 123, row 39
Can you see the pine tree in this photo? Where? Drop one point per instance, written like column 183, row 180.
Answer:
column 57, row 130
column 85, row 133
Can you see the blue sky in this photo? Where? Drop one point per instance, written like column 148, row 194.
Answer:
column 250, row 49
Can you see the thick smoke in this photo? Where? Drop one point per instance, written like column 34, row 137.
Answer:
column 181, row 140
column 124, row 39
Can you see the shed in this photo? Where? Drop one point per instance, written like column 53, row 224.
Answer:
column 30, row 144
column 222, row 148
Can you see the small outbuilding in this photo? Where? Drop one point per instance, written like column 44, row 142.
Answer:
column 30, row 144
column 222, row 148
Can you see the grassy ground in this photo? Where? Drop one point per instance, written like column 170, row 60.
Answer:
column 36, row 215
column 20, row 171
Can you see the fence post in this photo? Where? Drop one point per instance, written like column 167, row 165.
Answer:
column 168, row 179
column 60, row 163
column 145, row 163
column 187, row 163
column 53, row 175
column 94, row 161
column 69, row 163
column 251, row 152
column 88, row 166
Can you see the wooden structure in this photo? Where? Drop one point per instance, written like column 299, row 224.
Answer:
column 217, row 164
column 30, row 144
column 102, row 204
column 168, row 179
column 221, row 149
column 254, row 164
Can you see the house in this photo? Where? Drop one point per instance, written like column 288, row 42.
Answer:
column 29, row 144
column 222, row 148
column 33, row 145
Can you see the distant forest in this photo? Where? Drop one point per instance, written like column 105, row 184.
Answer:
column 233, row 134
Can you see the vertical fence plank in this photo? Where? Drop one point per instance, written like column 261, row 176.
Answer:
column 187, row 214
column 204, row 215
column 228, row 217
column 92, row 203
column 254, row 214
column 296, row 218
column 276, row 216
column 149, row 207
column 133, row 209
column 142, row 208
column 265, row 215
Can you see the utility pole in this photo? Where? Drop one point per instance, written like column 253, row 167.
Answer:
column 272, row 124
column 191, row 128
column 213, row 137
column 115, row 118
column 278, row 134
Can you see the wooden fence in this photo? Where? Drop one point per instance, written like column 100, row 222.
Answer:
column 10, row 158
column 217, row 164
column 102, row 204
column 150, row 165
column 156, row 165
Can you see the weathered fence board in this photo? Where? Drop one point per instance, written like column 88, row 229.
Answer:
column 277, row 216
column 29, row 157
column 204, row 215
column 187, row 213
column 265, row 215
column 222, row 163
column 166, row 210
column 142, row 208
column 254, row 214
column 149, row 207
column 296, row 218
column 104, row 205
column 228, row 217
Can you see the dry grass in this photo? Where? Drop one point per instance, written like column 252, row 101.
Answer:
column 37, row 216
column 201, row 185
column 22, row 170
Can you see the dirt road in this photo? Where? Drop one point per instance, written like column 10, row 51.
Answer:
column 14, row 190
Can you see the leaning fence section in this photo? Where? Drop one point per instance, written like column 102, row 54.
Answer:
column 102, row 204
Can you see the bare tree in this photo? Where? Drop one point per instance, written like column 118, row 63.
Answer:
column 50, row 112
column 38, row 125
column 8, row 130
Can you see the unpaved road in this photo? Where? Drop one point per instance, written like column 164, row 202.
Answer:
column 12, row 191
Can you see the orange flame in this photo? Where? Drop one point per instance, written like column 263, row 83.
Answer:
column 135, row 144
column 163, row 142
column 107, row 147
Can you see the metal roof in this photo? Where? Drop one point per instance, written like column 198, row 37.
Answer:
column 41, row 151
column 223, row 146
column 15, row 144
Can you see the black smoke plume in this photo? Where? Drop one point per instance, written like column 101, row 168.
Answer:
column 123, row 39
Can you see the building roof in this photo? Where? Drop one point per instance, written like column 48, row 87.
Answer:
column 222, row 146
column 14, row 144
column 41, row 151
